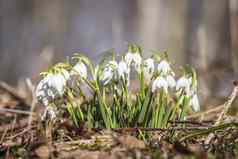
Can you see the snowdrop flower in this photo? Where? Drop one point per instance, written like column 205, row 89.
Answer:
column 183, row 83
column 171, row 81
column 137, row 59
column 41, row 92
column 160, row 82
column 148, row 69
column 57, row 83
column 164, row 67
column 109, row 72
column 194, row 103
column 79, row 69
column 123, row 70
column 129, row 58
column 51, row 87
column 134, row 59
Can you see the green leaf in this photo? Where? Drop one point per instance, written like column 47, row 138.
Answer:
column 145, row 107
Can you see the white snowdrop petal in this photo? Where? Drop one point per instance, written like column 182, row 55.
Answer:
column 112, row 63
column 80, row 69
column 171, row 81
column 164, row 67
column 134, row 59
column 107, row 76
column 149, row 63
column 109, row 72
column 54, row 85
column 154, row 85
column 183, row 83
column 41, row 93
column 137, row 58
column 57, row 82
column 148, row 70
column 194, row 103
column 129, row 58
column 123, row 69
column 158, row 83
column 49, row 88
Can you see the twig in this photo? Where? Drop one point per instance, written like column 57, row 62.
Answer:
column 201, row 123
column 12, row 91
column 227, row 106
column 11, row 129
column 3, row 135
column 21, row 133
column 214, row 110
column 209, row 130
column 16, row 111
column 33, row 103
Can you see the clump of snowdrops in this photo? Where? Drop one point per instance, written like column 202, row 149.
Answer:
column 101, row 95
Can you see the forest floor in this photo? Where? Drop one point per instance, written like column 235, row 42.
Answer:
column 209, row 134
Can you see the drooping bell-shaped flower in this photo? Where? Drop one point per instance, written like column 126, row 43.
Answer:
column 109, row 73
column 160, row 82
column 57, row 82
column 133, row 59
column 137, row 60
column 194, row 103
column 129, row 58
column 164, row 67
column 79, row 69
column 51, row 87
column 171, row 81
column 123, row 70
column 183, row 83
column 41, row 92
column 148, row 69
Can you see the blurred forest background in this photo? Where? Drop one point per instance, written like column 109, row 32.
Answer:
column 203, row 33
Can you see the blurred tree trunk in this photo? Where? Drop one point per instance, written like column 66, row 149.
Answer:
column 148, row 22
column 196, row 45
column 217, row 29
column 161, row 26
column 233, row 4
column 208, row 44
column 51, row 18
column 13, row 15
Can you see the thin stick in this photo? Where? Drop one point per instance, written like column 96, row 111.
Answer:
column 3, row 135
column 214, row 110
column 191, row 122
column 228, row 104
column 33, row 103
column 11, row 129
column 209, row 130
column 22, row 132
column 16, row 111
